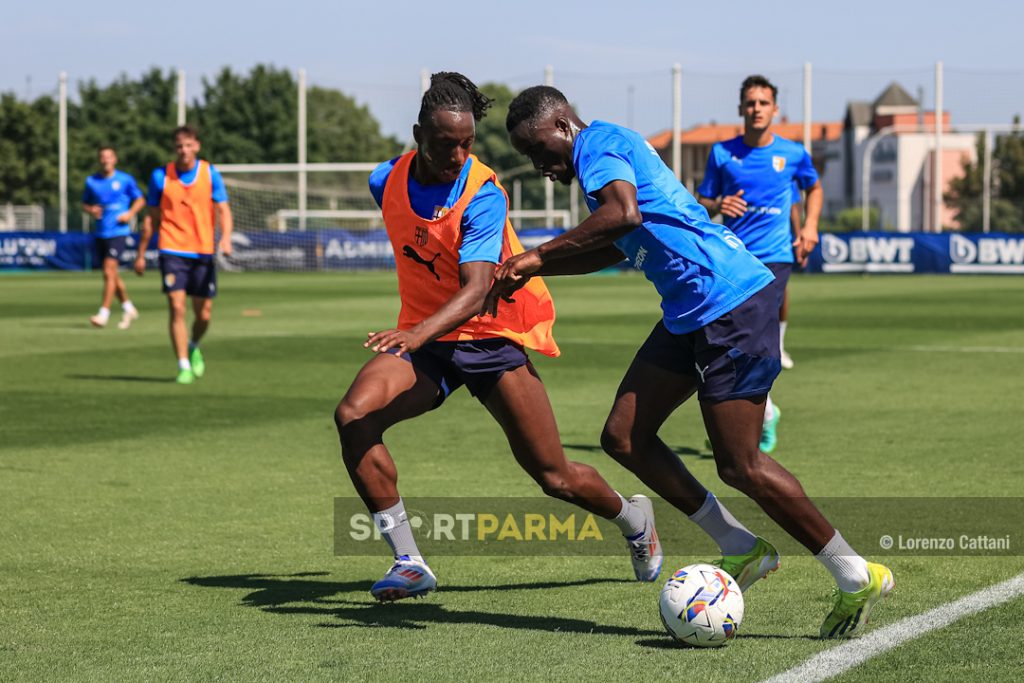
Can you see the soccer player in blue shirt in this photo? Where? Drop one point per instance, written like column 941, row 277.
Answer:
column 750, row 181
column 718, row 338
column 113, row 198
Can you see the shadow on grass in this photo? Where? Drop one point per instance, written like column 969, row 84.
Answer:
column 667, row 643
column 122, row 378
column 278, row 595
column 593, row 448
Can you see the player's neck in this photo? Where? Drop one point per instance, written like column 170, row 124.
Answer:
column 758, row 138
column 110, row 173
column 185, row 167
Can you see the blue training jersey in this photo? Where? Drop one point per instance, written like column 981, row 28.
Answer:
column 767, row 176
column 699, row 268
column 115, row 194
column 483, row 223
column 159, row 177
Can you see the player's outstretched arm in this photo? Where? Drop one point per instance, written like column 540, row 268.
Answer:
column 153, row 214
column 475, row 278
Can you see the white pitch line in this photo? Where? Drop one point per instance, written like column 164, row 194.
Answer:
column 852, row 653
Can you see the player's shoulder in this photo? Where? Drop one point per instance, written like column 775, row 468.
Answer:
column 730, row 146
column 379, row 175
column 786, row 145
column 610, row 132
column 124, row 177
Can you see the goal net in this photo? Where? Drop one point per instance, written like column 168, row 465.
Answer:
column 325, row 219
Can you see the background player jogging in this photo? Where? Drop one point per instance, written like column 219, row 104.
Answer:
column 187, row 199
column 750, row 181
column 447, row 219
column 113, row 198
column 718, row 338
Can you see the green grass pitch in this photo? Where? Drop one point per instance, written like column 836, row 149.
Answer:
column 160, row 532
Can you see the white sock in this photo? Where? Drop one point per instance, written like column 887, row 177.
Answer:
column 732, row 537
column 849, row 569
column 104, row 312
column 782, row 335
column 769, row 409
column 128, row 307
column 183, row 364
column 394, row 526
column 631, row 520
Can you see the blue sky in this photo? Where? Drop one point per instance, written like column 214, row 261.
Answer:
column 615, row 64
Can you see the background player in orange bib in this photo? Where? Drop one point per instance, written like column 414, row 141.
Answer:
column 187, row 199
column 447, row 218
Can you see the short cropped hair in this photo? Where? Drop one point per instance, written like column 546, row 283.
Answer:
column 758, row 81
column 187, row 131
column 532, row 103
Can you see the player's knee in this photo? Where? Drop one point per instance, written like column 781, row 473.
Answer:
column 350, row 416
column 741, row 474
column 618, row 442
column 555, row 484
column 177, row 309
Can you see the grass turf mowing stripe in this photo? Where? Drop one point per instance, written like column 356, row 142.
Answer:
column 844, row 657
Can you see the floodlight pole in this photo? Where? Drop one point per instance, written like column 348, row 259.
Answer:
column 302, row 149
column 937, row 168
column 986, row 179
column 677, row 120
column 807, row 106
column 549, row 187
column 181, row 97
column 62, row 152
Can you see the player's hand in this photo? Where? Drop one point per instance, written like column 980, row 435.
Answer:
column 804, row 244
column 225, row 246
column 140, row 264
column 511, row 276
column 404, row 341
column 733, row 205
column 125, row 217
column 96, row 211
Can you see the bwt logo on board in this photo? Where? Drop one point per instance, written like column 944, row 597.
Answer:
column 986, row 254
column 867, row 254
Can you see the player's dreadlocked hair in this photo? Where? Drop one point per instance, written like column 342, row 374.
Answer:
column 451, row 91
column 533, row 103
column 758, row 81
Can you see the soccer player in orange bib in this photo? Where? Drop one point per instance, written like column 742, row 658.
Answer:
column 447, row 218
column 186, row 198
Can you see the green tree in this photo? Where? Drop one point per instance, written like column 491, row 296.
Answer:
column 339, row 129
column 28, row 150
column 1007, row 207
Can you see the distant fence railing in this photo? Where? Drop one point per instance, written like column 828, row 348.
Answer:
column 335, row 249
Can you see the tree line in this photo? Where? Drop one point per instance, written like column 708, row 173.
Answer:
column 242, row 118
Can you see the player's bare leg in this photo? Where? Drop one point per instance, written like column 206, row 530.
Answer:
column 110, row 286
column 646, row 397
column 787, row 361
column 179, row 335
column 386, row 391
column 520, row 404
column 203, row 308
column 734, row 428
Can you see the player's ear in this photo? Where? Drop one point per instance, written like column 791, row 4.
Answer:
column 417, row 133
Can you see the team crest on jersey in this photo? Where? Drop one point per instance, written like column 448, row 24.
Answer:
column 116, row 184
column 778, row 163
column 421, row 236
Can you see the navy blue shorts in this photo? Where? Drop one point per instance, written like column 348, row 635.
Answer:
column 735, row 356
column 478, row 364
column 197, row 276
column 781, row 271
column 110, row 247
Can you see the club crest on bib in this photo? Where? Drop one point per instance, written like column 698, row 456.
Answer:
column 421, row 236
column 778, row 163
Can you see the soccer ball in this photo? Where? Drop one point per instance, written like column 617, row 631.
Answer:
column 701, row 605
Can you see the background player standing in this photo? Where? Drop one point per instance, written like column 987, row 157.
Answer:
column 113, row 198
column 749, row 180
column 187, row 198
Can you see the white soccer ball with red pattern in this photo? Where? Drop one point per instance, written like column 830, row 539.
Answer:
column 701, row 605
